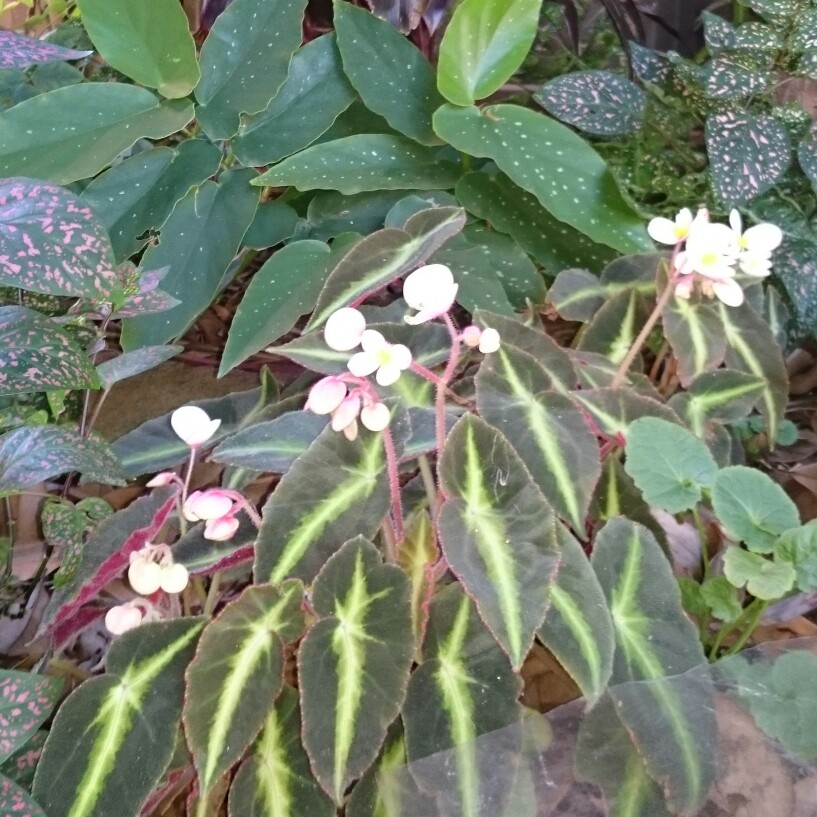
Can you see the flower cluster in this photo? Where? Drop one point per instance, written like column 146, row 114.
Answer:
column 712, row 253
column 152, row 568
column 217, row 509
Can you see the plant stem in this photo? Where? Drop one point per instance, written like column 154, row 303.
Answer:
column 394, row 484
column 429, row 483
column 388, row 541
column 753, row 619
column 212, row 594
column 443, row 384
column 702, row 535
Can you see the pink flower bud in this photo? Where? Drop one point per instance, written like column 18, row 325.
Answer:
column 375, row 417
column 471, row 335
column 162, row 479
column 193, row 425
column 346, row 413
column 431, row 291
column 344, row 329
column 220, row 530
column 326, row 395
column 122, row 618
column 210, row 504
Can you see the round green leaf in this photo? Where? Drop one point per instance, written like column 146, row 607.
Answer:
column 763, row 578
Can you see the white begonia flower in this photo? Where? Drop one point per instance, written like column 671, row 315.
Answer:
column 431, row 291
column 488, row 341
column 326, row 395
column 669, row 232
column 122, row 618
column 206, row 505
column 710, row 251
column 344, row 329
column 756, row 245
column 375, row 417
column 193, row 425
column 387, row 359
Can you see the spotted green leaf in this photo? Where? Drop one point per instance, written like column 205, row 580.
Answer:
column 671, row 723
column 729, row 81
column 546, row 429
column 17, row 51
column 463, row 688
column 15, row 800
column 795, row 265
column 547, row 159
column 244, row 61
column 353, row 664
column 483, row 45
column 392, row 76
column 598, row 102
column 74, row 132
column 36, row 354
column 26, row 700
column 763, row 578
column 336, row 490
column 275, row 780
column 124, row 720
column 127, row 36
column 64, row 528
column 236, row 675
column 354, row 164
column 497, row 533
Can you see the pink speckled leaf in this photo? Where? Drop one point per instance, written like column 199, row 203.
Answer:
column 747, row 154
column 141, row 293
column 26, row 700
column 51, row 241
column 20, row 767
column 17, row 802
column 20, row 52
column 37, row 355
column 31, row 454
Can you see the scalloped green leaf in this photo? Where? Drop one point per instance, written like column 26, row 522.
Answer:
column 747, row 154
column 598, row 102
column 669, row 464
column 392, row 76
column 244, row 61
column 236, row 675
column 314, row 94
column 112, row 725
column 198, row 242
column 336, row 490
column 546, row 429
column 275, row 780
column 74, row 132
column 497, row 533
column 547, row 159
column 353, row 664
column 126, row 34
column 36, row 354
column 763, row 578
column 364, row 161
column 484, row 43
column 17, row 51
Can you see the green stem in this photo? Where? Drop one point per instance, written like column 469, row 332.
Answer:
column 753, row 619
column 429, row 483
column 212, row 594
column 702, row 535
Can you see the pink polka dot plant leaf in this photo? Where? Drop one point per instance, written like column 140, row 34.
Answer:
column 140, row 293
column 21, row 765
column 597, row 102
column 747, row 154
column 51, row 242
column 20, row 52
column 17, row 801
column 26, row 700
column 36, row 354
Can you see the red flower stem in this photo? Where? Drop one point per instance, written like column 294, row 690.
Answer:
column 442, row 385
column 394, row 487
column 418, row 368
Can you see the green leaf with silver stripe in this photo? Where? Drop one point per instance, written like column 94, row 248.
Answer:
column 335, row 491
column 275, row 780
column 353, row 664
column 578, row 628
column 671, row 724
column 694, row 331
column 237, row 673
column 464, row 688
column 497, row 532
column 384, row 256
column 546, row 429
column 113, row 737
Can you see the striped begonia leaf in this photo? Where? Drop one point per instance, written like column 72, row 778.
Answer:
column 546, row 429
column 671, row 723
column 498, row 533
column 353, row 664
column 484, row 43
column 32, row 454
column 751, row 347
column 418, row 553
column 613, row 329
column 53, row 242
column 378, row 60
column 236, row 675
column 36, row 354
column 384, row 256
column 17, row 51
column 128, row 38
column 244, row 61
column 549, row 160
column 275, row 780
column 578, row 628
column 336, row 490
column 315, row 93
column 113, row 725
column 614, row 410
column 72, row 133
column 512, row 210
column 748, row 153
column 694, row 331
column 464, row 688
column 130, row 364
column 136, row 196
column 365, row 161
column 598, row 102
column 26, row 700
column 15, row 800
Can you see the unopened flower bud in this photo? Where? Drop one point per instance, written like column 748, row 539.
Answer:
column 174, row 578
column 344, row 329
column 375, row 417
column 193, row 425
column 471, row 335
column 122, row 618
column 326, row 395
column 145, row 576
column 346, row 413
column 204, row 505
column 162, row 479
column 220, row 530
column 489, row 341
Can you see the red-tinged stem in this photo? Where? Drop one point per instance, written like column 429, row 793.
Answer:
column 418, row 368
column 394, row 487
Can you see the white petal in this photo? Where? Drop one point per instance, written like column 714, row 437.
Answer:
column 683, row 289
column 425, row 283
column 346, row 413
column 728, row 291
column 122, row 618
column 763, row 238
column 343, row 329
column 663, row 231
column 758, row 266
column 350, row 432
column 375, row 417
column 400, row 356
column 489, row 341
column 193, row 425
column 735, row 222
column 325, row 396
column 362, row 364
column 388, row 374
column 372, row 341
